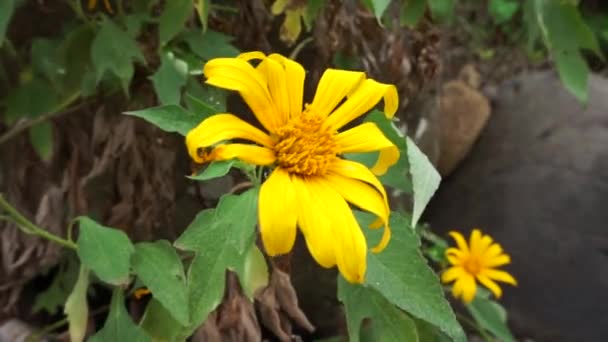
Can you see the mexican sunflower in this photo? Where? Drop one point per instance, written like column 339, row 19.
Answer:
column 477, row 260
column 310, row 185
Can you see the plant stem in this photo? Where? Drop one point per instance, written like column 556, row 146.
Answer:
column 20, row 127
column 30, row 228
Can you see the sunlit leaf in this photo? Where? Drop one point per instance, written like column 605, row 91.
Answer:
column 170, row 118
column 161, row 270
column 104, row 250
column 76, row 307
column 41, row 138
column 378, row 7
column 402, row 275
column 173, row 18
column 221, row 240
column 255, row 272
column 425, row 179
column 202, row 10
column 118, row 325
column 573, row 72
column 170, row 78
column 388, row 322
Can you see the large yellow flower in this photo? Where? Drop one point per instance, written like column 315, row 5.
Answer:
column 477, row 260
column 310, row 185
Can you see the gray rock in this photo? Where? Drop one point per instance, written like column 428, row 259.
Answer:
column 537, row 181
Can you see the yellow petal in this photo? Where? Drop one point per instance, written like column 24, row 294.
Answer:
column 452, row 274
column 277, row 81
column 368, row 137
column 220, row 127
column 315, row 225
column 490, row 284
column 494, row 250
column 349, row 243
column 277, row 210
column 363, row 196
column 333, row 87
column 364, row 98
column 499, row 276
column 453, row 260
column 474, row 241
column 295, row 74
column 351, row 169
column 496, row 261
column 238, row 75
column 469, row 288
column 247, row 56
column 462, row 244
column 251, row 154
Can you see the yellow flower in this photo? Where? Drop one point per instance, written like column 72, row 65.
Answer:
column 310, row 185
column 477, row 260
column 106, row 3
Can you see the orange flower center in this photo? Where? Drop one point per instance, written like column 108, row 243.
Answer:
column 304, row 147
column 472, row 266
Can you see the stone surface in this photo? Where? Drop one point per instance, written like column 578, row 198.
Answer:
column 537, row 181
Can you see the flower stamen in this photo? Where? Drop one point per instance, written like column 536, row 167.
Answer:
column 304, row 147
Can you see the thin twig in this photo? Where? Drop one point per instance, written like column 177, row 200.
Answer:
column 29, row 227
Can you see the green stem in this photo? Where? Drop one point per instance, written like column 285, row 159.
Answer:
column 30, row 228
column 18, row 128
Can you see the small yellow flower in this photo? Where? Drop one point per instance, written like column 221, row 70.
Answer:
column 310, row 185
column 477, row 260
column 93, row 4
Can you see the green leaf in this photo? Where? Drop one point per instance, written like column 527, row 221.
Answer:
column 412, row 11
column 41, row 138
column 76, row 307
column 564, row 27
column 210, row 44
column 7, row 7
column 170, row 118
column 160, row 324
column 388, row 322
column 402, row 275
column 172, row 21
column 255, row 272
column 425, row 179
column 161, row 270
column 45, row 59
column 397, row 176
column 54, row 297
column 212, row 98
column 170, row 78
column 19, row 101
column 202, row 10
column 377, row 6
column 118, row 325
column 565, row 33
column 502, row 10
column 492, row 317
column 75, row 55
column 104, row 250
column 222, row 240
column 114, row 50
column 574, row 73
column 442, row 10
column 214, row 170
